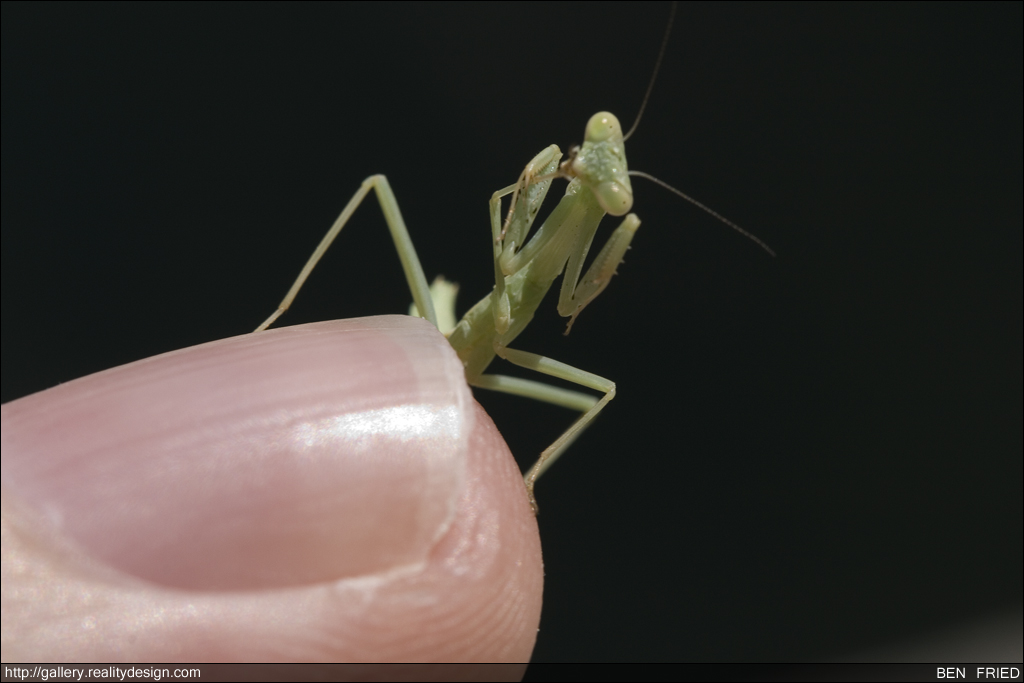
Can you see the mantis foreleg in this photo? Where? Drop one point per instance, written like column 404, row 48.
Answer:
column 576, row 293
column 522, row 212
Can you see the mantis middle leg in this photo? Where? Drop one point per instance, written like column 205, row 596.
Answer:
column 590, row 405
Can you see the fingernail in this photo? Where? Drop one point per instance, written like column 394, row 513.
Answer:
column 292, row 456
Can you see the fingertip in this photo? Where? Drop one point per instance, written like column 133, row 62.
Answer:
column 325, row 492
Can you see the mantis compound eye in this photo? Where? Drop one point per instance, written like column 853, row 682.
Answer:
column 614, row 198
column 603, row 126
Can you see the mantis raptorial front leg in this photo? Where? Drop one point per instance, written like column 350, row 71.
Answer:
column 399, row 233
column 573, row 299
column 508, row 238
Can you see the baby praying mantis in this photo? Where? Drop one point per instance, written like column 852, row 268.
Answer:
column 525, row 267
column 524, row 270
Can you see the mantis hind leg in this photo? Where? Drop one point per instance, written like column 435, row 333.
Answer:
column 421, row 293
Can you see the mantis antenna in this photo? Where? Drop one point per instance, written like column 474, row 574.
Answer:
column 640, row 174
column 654, row 76
column 748, row 235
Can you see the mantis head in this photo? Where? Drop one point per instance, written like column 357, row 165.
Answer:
column 600, row 163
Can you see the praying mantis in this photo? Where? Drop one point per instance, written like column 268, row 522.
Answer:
column 526, row 266
column 525, row 270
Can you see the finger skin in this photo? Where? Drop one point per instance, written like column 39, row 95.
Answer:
column 326, row 492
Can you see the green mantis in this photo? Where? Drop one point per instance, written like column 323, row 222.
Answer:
column 525, row 268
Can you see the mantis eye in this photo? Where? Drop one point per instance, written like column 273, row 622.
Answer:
column 602, row 126
column 614, row 198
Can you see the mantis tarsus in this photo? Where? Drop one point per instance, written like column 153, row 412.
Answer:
column 525, row 267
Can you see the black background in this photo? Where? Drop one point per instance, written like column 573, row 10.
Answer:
column 809, row 456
